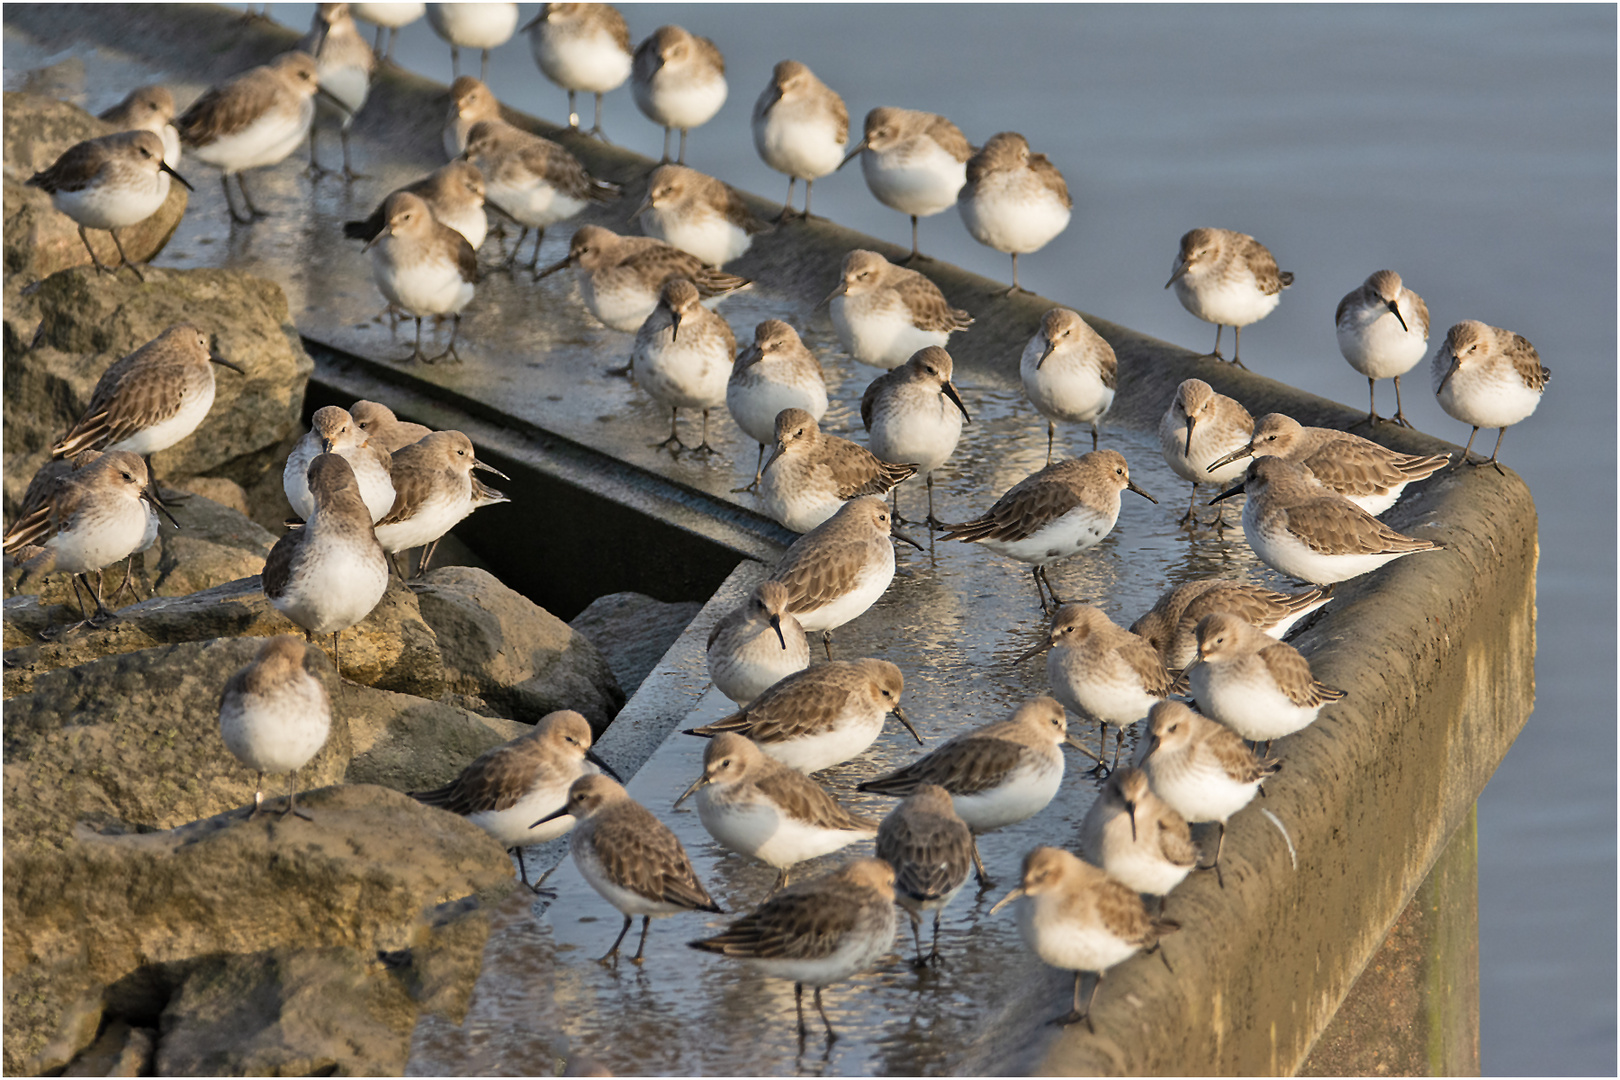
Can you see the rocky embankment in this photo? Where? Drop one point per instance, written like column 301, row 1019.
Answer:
column 149, row 925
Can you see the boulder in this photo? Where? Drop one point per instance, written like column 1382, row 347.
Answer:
column 515, row 657
column 61, row 339
column 214, row 545
column 633, row 632
column 39, row 239
column 410, row 744
column 392, row 648
column 120, row 1050
column 116, row 925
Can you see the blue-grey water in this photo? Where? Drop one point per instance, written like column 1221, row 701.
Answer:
column 1471, row 148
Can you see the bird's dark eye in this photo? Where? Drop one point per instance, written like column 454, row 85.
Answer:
column 887, row 694
column 726, row 764
column 128, row 477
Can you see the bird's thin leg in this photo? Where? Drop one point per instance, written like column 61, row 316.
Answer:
column 1094, row 435
column 1466, row 448
column 787, row 207
column 832, row 1036
column 258, row 797
column 646, row 922
column 1014, row 288
column 596, row 129
column 1216, row 353
column 101, row 268
column 377, row 46
column 292, row 798
column 416, row 353
column 119, row 244
column 665, row 159
column 704, row 447
column 225, row 182
column 613, row 953
column 933, row 522
column 1190, row 518
column 978, row 868
column 1035, row 572
column 933, row 951
column 682, row 161
column 807, row 184
column 483, row 67
column 426, row 558
column 1500, row 432
column 450, row 349
column 523, row 873
column 759, row 464
column 247, row 200
column 916, row 938
column 673, row 444
column 393, row 36
column 1237, row 345
column 1051, row 438
column 1400, row 414
column 455, row 63
column 349, row 175
column 573, row 113
column 1372, row 401
column 826, row 643
column 798, row 1004
column 534, row 260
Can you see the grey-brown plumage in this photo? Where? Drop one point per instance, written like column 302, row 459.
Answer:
column 1170, row 624
column 931, row 850
column 1136, row 836
column 630, row 858
column 387, row 430
column 455, row 194
column 817, row 932
column 621, row 276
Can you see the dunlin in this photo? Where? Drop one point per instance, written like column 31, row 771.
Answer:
column 1136, row 837
column 275, row 716
column 1013, row 201
column 33, row 523
column 1369, row 475
column 679, row 82
column 885, row 313
column 109, row 183
column 470, row 102
column 328, row 575
column 1200, row 428
column 1383, row 330
column 1075, row 917
column 505, row 789
column 1171, row 626
column 756, row 645
column 1487, row 377
column 1299, row 528
column 697, row 213
column 817, row 932
column 100, row 514
column 455, row 194
column 423, row 267
column 756, row 806
column 251, row 121
column 389, row 17
column 932, row 851
column 384, row 428
column 148, row 108
column 473, row 26
column 838, row 569
column 630, row 858
column 1062, row 510
column 997, row 775
column 333, row 431
column 434, row 489
column 344, row 64
column 682, row 357
column 1261, row 688
column 800, row 127
column 1102, row 671
column 914, row 162
column 532, row 180
column 150, row 399
column 1069, row 373
column 1201, row 768
column 620, row 277
column 811, row 474
column 913, row 415
column 1227, row 278
column 581, row 47
column 773, row 374
column 821, row 716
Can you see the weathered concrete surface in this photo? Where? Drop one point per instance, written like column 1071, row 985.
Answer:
column 1415, row 1009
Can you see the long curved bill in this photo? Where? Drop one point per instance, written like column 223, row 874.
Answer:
column 1045, row 643
column 1083, row 748
column 950, row 392
column 900, row 715
column 1130, row 486
column 560, row 264
column 1181, row 268
column 898, row 535
column 854, row 153
column 1009, row 898
column 1238, row 454
column 697, row 785
column 163, row 166
column 776, row 624
column 486, row 467
column 1227, row 494
column 1450, row 371
column 1395, row 310
column 561, row 811
column 591, row 756
column 215, row 358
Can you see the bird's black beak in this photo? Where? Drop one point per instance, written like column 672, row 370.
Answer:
column 854, row 153
column 1130, row 809
column 1051, row 348
column 486, row 467
column 152, row 496
column 554, row 267
column 163, row 166
column 1236, row 489
column 561, row 811
column 1130, row 485
column 776, row 624
column 898, row 535
column 1395, row 310
column 900, row 715
column 1450, row 371
column 950, row 392
column 591, row 756
column 1241, row 452
column 215, row 358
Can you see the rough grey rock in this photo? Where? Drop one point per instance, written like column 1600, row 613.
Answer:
column 132, row 741
column 392, row 648
column 633, row 631
column 411, row 744
column 39, row 239
column 214, row 545
column 63, row 336
column 120, row 1050
column 514, row 655
column 113, row 924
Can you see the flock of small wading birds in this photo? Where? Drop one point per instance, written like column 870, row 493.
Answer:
column 368, row 486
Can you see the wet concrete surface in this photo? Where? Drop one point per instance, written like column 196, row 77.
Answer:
column 953, row 621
